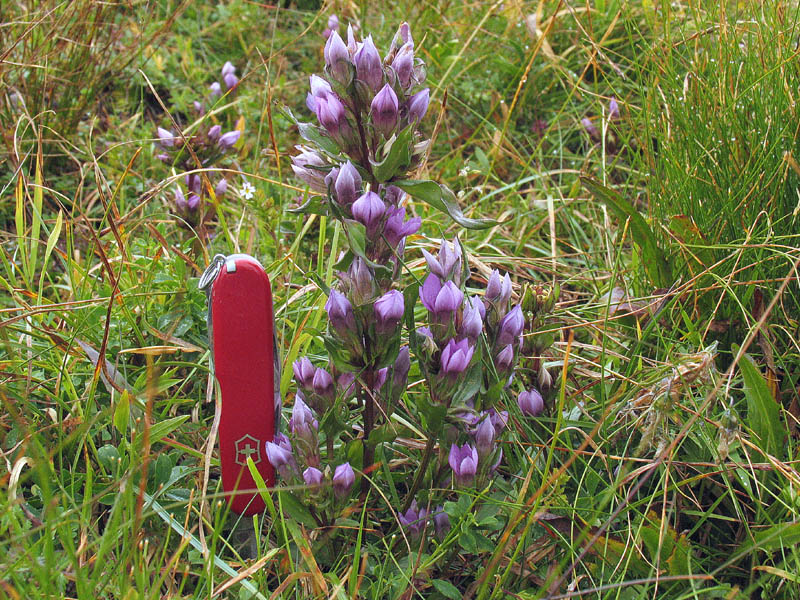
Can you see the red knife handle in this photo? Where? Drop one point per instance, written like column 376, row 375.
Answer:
column 244, row 363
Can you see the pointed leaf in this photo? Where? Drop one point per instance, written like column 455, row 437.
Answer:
column 441, row 198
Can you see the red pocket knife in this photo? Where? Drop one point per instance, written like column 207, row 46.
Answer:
column 245, row 359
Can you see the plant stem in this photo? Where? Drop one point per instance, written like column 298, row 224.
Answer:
column 426, row 458
column 369, row 424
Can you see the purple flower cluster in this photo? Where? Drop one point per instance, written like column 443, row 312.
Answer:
column 208, row 145
column 416, row 520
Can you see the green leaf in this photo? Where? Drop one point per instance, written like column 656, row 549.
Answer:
column 312, row 133
column 160, row 430
column 315, row 205
column 443, row 199
column 447, row 589
column 357, row 237
column 397, row 159
column 656, row 266
column 763, row 414
column 122, row 412
column 777, row 537
column 108, row 456
column 295, row 509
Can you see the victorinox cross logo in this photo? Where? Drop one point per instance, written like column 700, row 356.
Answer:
column 248, row 446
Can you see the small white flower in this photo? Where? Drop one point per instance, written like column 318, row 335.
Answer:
column 247, row 190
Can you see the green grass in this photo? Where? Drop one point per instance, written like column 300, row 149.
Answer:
column 665, row 463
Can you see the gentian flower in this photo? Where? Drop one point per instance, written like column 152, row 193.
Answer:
column 280, row 456
column 166, row 138
column 505, row 358
column 312, row 476
column 418, row 105
column 447, row 266
column 368, row 210
column 323, row 383
column 227, row 140
column 384, row 111
column 441, row 300
column 347, row 185
column 396, row 229
column 313, row 177
column 193, row 202
column 340, row 313
column 215, row 90
column 510, row 328
column 330, row 113
column 530, row 403
column 498, row 291
column 463, row 461
column 613, row 109
column 221, row 187
column 368, row 64
column 214, row 133
column 319, row 89
column 180, row 200
column 403, row 64
column 441, row 522
column 304, row 372
column 343, row 479
column 456, row 357
column 484, row 437
column 337, row 58
column 389, row 310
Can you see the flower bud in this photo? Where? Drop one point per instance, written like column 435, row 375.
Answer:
column 343, row 479
column 447, row 266
column 193, row 182
column 331, row 115
column 279, row 455
column 389, row 310
column 456, row 357
column 215, row 90
column 510, row 328
column 352, row 46
column 230, row 81
column 333, row 22
column 463, row 461
column 590, row 128
column 337, row 58
column 403, row 65
column 613, row 109
column 504, row 359
column 402, row 365
column 214, row 133
column 418, row 105
column 303, row 424
column 340, row 314
column 323, row 383
column 346, row 385
column 368, row 210
column 348, row 184
column 193, row 202
column 198, row 107
column 312, row 477
column 166, row 138
column 221, row 187
column 180, row 200
column 313, row 177
column 471, row 320
column 384, row 111
column 498, row 291
column 360, row 281
column 401, row 38
column 530, row 403
column 227, row 140
column 368, row 64
column 228, row 69
column 484, row 437
column 441, row 522
column 441, row 300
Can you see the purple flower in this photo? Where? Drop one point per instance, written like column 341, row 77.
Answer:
column 180, row 200
column 330, row 113
column 343, row 479
column 215, row 90
column 401, row 366
column 403, row 64
column 319, row 89
column 418, row 105
column 510, row 327
column 368, row 64
column 379, row 378
column 304, row 372
column 498, row 291
column 230, row 81
column 396, row 229
column 414, row 519
column 613, row 109
column 221, row 187
column 590, row 128
column 337, row 58
column 313, row 177
column 463, row 461
column 193, row 182
column 346, row 384
column 312, row 476
column 227, row 140
column 352, row 46
column 166, row 138
column 303, row 422
column 340, row 313
column 323, row 383
column 530, row 403
column 484, row 437
column 280, row 456
column 402, row 37
column 214, row 132
column 447, row 266
column 348, row 184
column 368, row 210
column 360, row 281
column 193, row 202
column 499, row 420
column 441, row 300
column 384, row 111
column 198, row 107
column 505, row 358
column 471, row 320
column 441, row 521
column 333, row 22
column 456, row 357
column 228, row 69
column 389, row 309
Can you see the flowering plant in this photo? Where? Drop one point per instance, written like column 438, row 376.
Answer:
column 465, row 347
